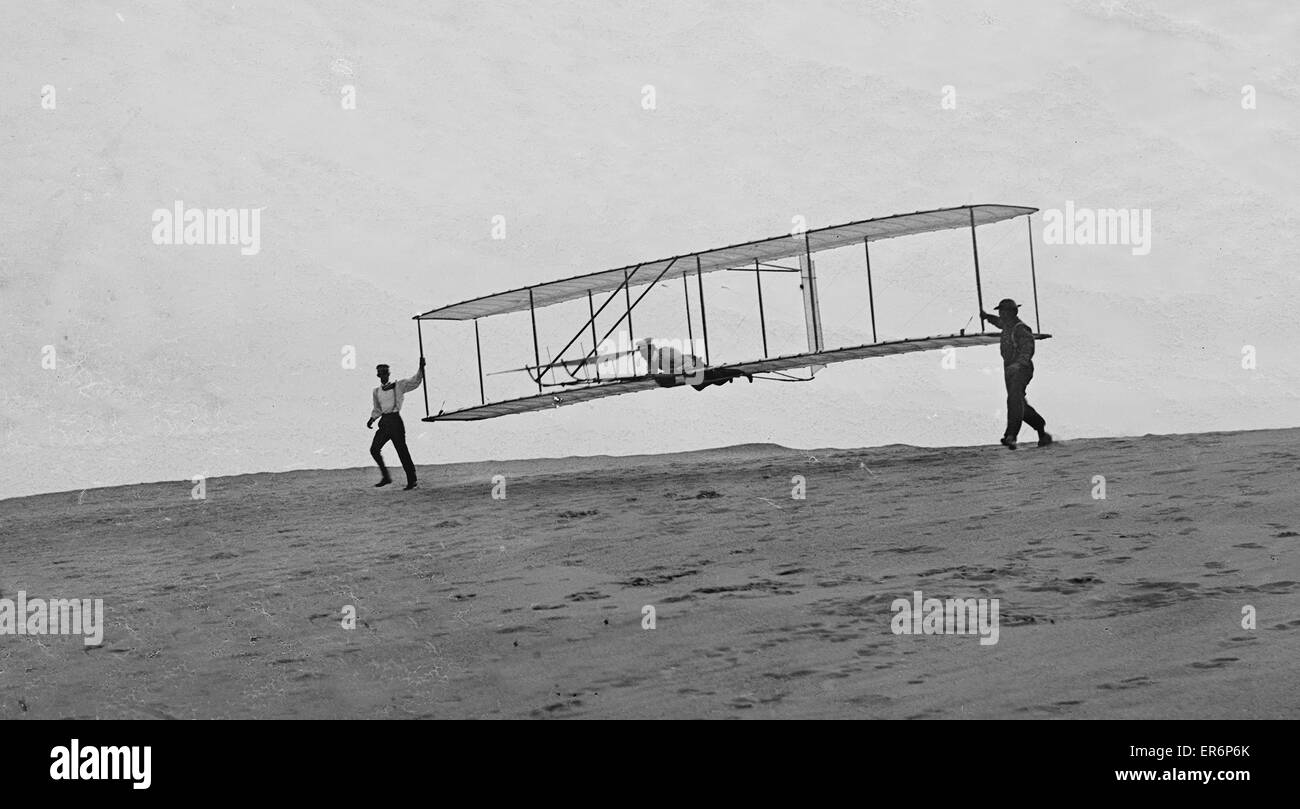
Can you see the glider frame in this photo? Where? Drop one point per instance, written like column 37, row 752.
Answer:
column 828, row 238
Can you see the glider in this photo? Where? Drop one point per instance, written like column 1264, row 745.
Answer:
column 564, row 381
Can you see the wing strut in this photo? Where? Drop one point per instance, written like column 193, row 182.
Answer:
column 811, row 305
column 424, row 377
column 974, row 246
column 627, row 296
column 592, row 321
column 1029, row 220
column 537, row 355
column 478, row 351
column 871, row 297
column 704, row 318
column 686, row 296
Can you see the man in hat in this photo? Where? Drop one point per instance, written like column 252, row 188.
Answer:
column 387, row 399
column 1017, row 370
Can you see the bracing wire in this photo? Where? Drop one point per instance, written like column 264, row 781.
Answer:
column 774, row 379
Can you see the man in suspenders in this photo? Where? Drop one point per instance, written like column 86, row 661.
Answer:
column 387, row 399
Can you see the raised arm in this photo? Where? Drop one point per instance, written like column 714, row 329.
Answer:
column 411, row 384
column 993, row 319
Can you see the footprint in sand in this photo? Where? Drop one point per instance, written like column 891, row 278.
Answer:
column 1066, row 586
column 1239, row 639
column 869, row 700
column 1055, row 708
column 1017, row 619
column 676, row 599
column 565, row 708
column 1124, row 685
column 695, row 692
column 586, row 595
column 912, row 549
column 653, row 579
column 1225, row 572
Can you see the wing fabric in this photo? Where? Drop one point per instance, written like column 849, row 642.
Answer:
column 545, row 401
column 737, row 255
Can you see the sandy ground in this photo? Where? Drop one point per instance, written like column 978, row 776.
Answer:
column 766, row 605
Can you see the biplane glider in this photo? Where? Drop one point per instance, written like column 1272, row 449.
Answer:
column 588, row 374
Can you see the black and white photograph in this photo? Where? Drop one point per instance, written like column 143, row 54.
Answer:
column 829, row 360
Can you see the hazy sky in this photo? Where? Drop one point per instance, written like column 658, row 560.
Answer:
column 126, row 360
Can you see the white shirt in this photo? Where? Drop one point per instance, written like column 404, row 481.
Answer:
column 390, row 401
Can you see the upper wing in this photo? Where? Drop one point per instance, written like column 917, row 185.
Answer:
column 736, row 255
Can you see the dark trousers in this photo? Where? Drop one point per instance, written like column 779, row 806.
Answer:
column 392, row 429
column 1018, row 410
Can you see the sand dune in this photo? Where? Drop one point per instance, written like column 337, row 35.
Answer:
column 766, row 605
